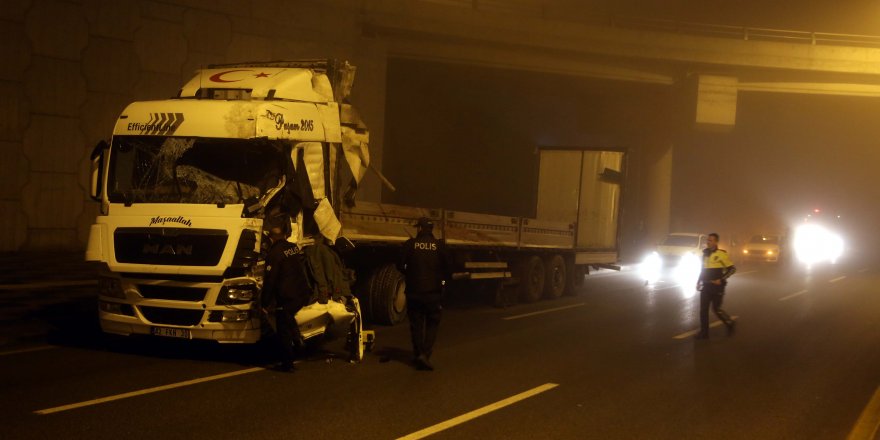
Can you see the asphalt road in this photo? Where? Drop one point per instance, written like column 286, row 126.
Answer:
column 616, row 361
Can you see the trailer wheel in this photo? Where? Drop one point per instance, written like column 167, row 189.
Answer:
column 386, row 300
column 555, row 277
column 531, row 279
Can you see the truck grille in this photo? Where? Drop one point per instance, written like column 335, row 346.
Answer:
column 163, row 315
column 152, row 291
column 169, row 246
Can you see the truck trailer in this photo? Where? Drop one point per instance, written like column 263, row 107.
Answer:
column 185, row 183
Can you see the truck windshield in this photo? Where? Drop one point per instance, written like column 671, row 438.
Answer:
column 155, row 169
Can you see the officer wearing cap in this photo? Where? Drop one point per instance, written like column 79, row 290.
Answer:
column 425, row 264
column 286, row 285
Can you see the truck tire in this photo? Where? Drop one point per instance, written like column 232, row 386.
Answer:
column 531, row 279
column 385, row 297
column 555, row 277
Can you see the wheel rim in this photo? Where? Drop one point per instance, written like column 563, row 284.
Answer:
column 400, row 298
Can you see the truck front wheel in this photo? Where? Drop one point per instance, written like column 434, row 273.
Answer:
column 385, row 297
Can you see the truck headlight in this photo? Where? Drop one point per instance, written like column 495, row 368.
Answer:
column 229, row 316
column 116, row 308
column 110, row 287
column 237, row 292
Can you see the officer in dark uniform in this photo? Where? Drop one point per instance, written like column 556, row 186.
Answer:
column 286, row 285
column 717, row 268
column 426, row 266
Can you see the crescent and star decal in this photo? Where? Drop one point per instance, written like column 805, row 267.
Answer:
column 218, row 77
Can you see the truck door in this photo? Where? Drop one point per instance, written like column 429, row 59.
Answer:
column 582, row 186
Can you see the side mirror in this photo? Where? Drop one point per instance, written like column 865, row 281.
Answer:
column 97, row 172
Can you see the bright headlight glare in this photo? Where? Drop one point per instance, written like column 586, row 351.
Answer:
column 688, row 269
column 813, row 244
column 650, row 267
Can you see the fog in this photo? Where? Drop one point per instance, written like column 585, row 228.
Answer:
column 465, row 138
column 847, row 16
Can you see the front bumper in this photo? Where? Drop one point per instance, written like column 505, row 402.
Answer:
column 247, row 332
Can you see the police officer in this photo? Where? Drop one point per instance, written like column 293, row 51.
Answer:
column 286, row 285
column 717, row 268
column 426, row 266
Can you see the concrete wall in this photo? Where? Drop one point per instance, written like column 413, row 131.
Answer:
column 69, row 68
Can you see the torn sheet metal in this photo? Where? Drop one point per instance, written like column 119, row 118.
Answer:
column 327, row 222
column 313, row 158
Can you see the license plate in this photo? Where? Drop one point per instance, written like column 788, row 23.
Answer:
column 171, row 332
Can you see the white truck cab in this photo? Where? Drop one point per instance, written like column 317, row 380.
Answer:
column 184, row 185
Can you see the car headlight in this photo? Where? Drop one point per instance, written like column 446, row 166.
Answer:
column 650, row 267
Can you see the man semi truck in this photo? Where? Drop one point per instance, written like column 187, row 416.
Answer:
column 185, row 183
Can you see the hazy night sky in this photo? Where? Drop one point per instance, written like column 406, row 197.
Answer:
column 847, row 16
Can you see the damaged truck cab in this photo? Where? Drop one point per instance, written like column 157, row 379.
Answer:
column 185, row 183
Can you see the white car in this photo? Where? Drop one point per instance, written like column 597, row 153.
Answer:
column 678, row 244
column 680, row 251
column 762, row 248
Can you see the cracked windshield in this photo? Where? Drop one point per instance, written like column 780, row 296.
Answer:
column 150, row 169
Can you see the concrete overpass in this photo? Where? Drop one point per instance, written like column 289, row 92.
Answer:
column 71, row 67
column 722, row 59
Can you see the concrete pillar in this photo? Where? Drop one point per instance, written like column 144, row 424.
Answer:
column 658, row 197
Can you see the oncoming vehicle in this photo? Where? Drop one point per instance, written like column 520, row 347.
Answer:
column 818, row 239
column 763, row 248
column 679, row 251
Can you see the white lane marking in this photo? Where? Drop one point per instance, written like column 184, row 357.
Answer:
column 834, row 280
column 556, row 309
column 793, row 295
column 27, row 350
column 146, row 391
column 864, row 269
column 668, row 287
column 868, row 422
column 693, row 332
column 478, row 412
column 47, row 284
column 748, row 271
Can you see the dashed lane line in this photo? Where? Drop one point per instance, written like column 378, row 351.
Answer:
column 693, row 332
column 867, row 425
column 146, row 391
column 668, row 287
column 834, row 280
column 48, row 284
column 27, row 350
column 864, row 269
column 541, row 312
column 478, row 412
column 793, row 295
